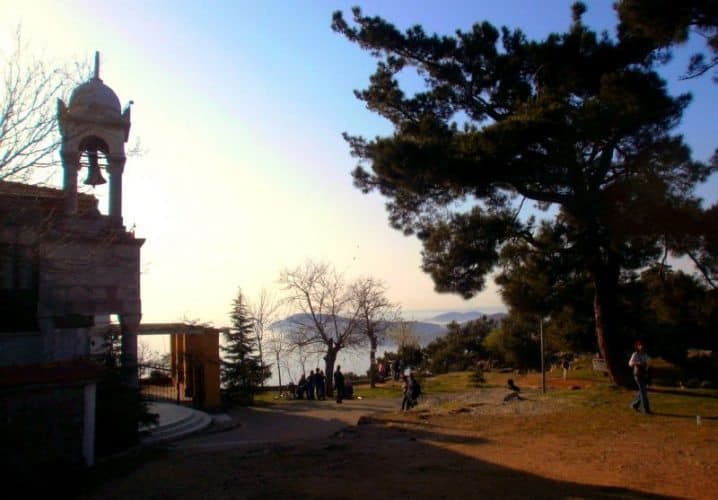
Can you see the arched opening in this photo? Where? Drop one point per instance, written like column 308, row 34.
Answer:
column 94, row 160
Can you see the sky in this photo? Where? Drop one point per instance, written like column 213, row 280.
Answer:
column 239, row 107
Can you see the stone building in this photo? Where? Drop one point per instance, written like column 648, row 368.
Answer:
column 64, row 265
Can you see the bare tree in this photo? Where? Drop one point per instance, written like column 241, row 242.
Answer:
column 146, row 355
column 264, row 313
column 306, row 354
column 28, row 127
column 277, row 343
column 328, row 318
column 376, row 315
column 402, row 334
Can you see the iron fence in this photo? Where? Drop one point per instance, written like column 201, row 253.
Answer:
column 158, row 383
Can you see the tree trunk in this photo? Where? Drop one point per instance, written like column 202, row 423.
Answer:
column 329, row 360
column 372, row 360
column 279, row 374
column 605, row 280
column 261, row 360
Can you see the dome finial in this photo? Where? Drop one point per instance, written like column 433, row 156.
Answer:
column 97, row 65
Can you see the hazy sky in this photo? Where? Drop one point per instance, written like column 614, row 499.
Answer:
column 240, row 106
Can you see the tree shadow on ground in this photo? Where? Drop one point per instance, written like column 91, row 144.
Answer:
column 357, row 462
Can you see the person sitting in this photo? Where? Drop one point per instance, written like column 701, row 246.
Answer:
column 348, row 389
column 515, row 390
column 301, row 387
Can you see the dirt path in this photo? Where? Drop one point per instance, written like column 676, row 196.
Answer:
column 469, row 445
column 287, row 423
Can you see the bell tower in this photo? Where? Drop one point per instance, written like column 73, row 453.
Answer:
column 93, row 124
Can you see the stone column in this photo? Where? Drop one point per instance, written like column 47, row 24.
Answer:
column 116, row 167
column 130, row 324
column 88, row 424
column 70, row 165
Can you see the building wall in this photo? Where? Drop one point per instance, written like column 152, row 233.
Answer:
column 96, row 277
column 196, row 363
column 71, row 270
column 20, row 348
column 42, row 426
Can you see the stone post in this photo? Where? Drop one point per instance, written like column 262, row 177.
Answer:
column 130, row 325
column 88, row 424
column 116, row 167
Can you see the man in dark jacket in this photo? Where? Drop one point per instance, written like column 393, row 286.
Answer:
column 319, row 382
column 339, row 383
column 310, row 385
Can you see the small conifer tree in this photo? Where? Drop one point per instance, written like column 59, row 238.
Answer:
column 242, row 370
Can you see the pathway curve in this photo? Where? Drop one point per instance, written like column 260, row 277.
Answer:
column 287, row 422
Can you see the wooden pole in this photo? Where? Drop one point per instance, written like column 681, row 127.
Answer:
column 543, row 370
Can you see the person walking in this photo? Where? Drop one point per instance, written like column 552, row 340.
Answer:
column 319, row 382
column 565, row 365
column 406, row 398
column 339, row 384
column 639, row 364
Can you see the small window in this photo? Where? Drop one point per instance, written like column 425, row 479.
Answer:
column 18, row 289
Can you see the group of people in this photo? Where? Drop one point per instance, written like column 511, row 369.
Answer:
column 392, row 369
column 314, row 386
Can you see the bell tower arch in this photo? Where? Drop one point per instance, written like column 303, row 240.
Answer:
column 92, row 123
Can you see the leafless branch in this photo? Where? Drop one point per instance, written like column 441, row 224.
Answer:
column 28, row 92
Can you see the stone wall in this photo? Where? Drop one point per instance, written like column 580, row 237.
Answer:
column 42, row 426
column 89, row 278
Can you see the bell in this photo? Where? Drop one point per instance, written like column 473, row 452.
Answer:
column 94, row 174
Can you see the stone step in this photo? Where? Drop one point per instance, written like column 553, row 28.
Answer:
column 178, row 428
column 175, row 422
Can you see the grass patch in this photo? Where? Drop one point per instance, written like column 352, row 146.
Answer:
column 439, row 384
column 390, row 389
column 447, row 383
column 664, row 400
column 268, row 398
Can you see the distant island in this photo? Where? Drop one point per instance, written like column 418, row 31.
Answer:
column 463, row 317
column 425, row 330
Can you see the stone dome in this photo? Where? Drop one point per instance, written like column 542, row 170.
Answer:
column 94, row 94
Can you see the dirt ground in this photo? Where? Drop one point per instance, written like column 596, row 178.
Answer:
column 468, row 445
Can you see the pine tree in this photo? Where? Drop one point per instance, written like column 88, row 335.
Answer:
column 578, row 125
column 242, row 370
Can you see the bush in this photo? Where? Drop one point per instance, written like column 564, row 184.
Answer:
column 158, row 377
column 703, row 367
column 119, row 411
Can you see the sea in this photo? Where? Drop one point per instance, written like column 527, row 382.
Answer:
column 292, row 365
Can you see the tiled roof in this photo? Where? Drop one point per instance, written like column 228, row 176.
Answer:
column 8, row 188
column 42, row 196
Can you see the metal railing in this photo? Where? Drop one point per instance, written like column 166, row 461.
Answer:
column 158, row 383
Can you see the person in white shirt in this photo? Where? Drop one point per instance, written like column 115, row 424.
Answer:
column 639, row 364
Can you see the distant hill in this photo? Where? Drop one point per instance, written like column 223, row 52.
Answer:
column 463, row 317
column 426, row 332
